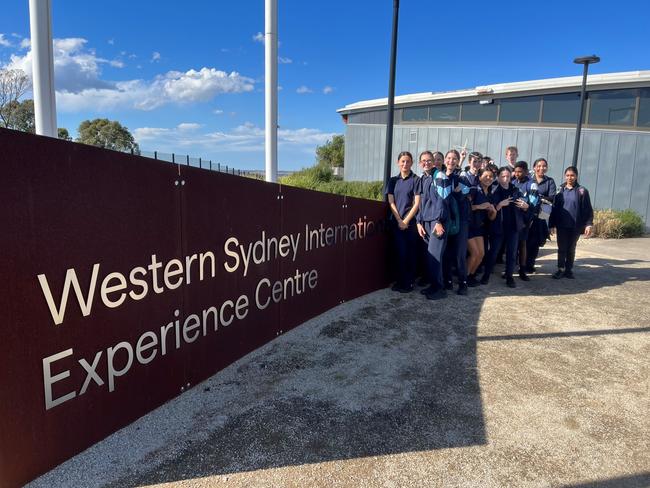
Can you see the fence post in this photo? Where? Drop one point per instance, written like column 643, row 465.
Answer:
column 131, row 151
column 219, row 167
column 173, row 158
column 210, row 165
column 155, row 154
column 199, row 162
column 226, row 168
column 188, row 159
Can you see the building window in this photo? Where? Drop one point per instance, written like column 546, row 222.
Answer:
column 562, row 108
column 415, row 114
column 372, row 117
column 524, row 109
column 644, row 108
column 444, row 113
column 475, row 112
column 612, row 107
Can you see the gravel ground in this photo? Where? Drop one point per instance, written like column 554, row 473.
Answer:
column 544, row 385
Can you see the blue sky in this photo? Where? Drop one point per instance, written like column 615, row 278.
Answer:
column 188, row 77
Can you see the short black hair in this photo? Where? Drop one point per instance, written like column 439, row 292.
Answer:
column 523, row 165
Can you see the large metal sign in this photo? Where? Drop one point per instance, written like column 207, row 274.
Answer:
column 124, row 281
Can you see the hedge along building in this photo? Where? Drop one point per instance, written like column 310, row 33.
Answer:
column 539, row 117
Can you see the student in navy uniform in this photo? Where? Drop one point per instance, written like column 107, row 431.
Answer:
column 432, row 227
column 538, row 234
column 456, row 250
column 572, row 215
column 510, row 220
column 528, row 189
column 483, row 211
column 404, row 199
column 426, row 165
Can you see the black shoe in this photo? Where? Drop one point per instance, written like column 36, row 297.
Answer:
column 395, row 287
column 569, row 274
column 472, row 281
column 407, row 289
column 558, row 274
column 449, row 285
column 504, row 275
column 531, row 269
column 479, row 270
column 437, row 295
column 499, row 260
column 462, row 289
column 510, row 282
column 485, row 279
column 429, row 289
column 423, row 282
column 523, row 276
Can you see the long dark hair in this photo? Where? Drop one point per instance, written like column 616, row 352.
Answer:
column 405, row 153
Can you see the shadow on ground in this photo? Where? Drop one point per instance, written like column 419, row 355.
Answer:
column 390, row 374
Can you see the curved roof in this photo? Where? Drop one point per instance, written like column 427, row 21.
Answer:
column 626, row 79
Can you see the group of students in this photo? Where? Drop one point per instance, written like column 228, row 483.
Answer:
column 452, row 221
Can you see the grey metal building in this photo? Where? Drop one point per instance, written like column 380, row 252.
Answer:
column 538, row 117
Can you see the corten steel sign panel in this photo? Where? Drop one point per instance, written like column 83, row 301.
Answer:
column 164, row 279
column 314, row 217
column 239, row 220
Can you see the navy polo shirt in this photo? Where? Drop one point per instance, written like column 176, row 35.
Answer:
column 404, row 191
column 569, row 211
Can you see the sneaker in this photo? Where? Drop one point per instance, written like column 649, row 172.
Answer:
column 523, row 276
column 462, row 289
column 472, row 281
column 485, row 279
column 558, row 274
column 510, row 282
column 531, row 269
column 449, row 285
column 569, row 274
column 429, row 289
column 437, row 295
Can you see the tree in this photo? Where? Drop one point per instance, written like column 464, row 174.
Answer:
column 331, row 153
column 108, row 134
column 63, row 133
column 21, row 116
column 13, row 85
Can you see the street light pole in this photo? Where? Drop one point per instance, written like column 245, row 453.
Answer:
column 391, row 97
column 585, row 61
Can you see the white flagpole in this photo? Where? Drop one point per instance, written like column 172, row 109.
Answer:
column 271, row 88
column 40, row 23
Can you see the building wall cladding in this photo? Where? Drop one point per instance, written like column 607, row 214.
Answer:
column 613, row 164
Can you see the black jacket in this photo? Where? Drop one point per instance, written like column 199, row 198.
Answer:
column 585, row 217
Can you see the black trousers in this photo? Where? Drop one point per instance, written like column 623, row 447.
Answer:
column 406, row 247
column 566, row 247
column 456, row 254
column 509, row 240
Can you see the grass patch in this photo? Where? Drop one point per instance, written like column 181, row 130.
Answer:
column 321, row 178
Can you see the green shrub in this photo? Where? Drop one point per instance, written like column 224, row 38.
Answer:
column 321, row 178
column 616, row 224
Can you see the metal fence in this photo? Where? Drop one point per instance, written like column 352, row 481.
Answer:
column 187, row 160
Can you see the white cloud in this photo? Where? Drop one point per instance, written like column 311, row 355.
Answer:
column 303, row 89
column 282, row 60
column 188, row 126
column 244, row 138
column 111, row 42
column 77, row 72
column 217, row 111
column 155, row 56
column 4, row 41
column 327, row 90
column 259, row 37
column 25, row 43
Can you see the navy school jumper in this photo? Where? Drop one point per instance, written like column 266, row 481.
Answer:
column 456, row 251
column 434, row 208
column 572, row 212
